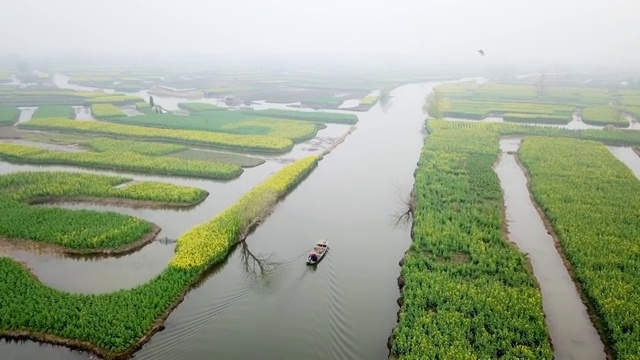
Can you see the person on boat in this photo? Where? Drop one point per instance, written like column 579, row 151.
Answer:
column 313, row 257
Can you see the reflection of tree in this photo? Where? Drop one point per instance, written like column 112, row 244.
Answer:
column 256, row 266
column 385, row 99
column 435, row 105
column 404, row 215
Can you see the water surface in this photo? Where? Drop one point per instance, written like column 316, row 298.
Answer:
column 572, row 334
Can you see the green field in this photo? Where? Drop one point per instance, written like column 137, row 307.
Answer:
column 8, row 115
column 202, row 138
column 54, row 111
column 146, row 148
column 21, row 97
column 123, row 159
column 467, row 292
column 197, row 107
column 85, row 230
column 603, row 115
column 543, row 103
column 593, row 203
column 468, row 109
column 297, row 131
column 218, row 157
column 314, row 116
column 134, row 313
column 460, row 271
column 103, row 111
column 537, row 118
column 547, row 93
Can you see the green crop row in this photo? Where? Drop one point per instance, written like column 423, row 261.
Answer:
column 482, row 109
column 123, row 160
column 113, row 99
column 615, row 137
column 79, row 230
column 8, row 115
column 543, row 93
column 313, row 116
column 593, row 203
column 133, row 313
column 138, row 147
column 54, row 111
column 537, row 118
column 241, row 142
column 102, row 111
column 23, row 97
column 101, row 144
column 197, row 107
column 603, row 115
column 295, row 130
column 467, row 293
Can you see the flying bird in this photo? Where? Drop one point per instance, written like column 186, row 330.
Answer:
column 481, row 52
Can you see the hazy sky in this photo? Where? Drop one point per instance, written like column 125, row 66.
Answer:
column 585, row 31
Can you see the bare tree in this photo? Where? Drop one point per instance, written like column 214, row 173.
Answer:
column 404, row 214
column 255, row 212
column 435, row 105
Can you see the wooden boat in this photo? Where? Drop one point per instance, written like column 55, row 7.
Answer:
column 318, row 252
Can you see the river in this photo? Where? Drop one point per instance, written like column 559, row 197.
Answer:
column 343, row 308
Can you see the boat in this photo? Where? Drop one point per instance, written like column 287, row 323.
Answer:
column 318, row 252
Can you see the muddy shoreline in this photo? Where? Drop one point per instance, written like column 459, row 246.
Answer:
column 130, row 203
column 41, row 247
column 586, row 300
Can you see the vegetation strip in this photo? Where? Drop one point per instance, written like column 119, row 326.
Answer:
column 122, row 160
column 466, row 290
column 146, row 148
column 81, row 231
column 315, row 116
column 604, row 115
column 102, row 111
column 205, row 138
column 8, row 115
column 197, row 107
column 54, row 111
column 614, row 137
column 133, row 315
column 592, row 201
column 210, row 121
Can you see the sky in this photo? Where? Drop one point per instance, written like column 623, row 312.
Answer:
column 510, row 31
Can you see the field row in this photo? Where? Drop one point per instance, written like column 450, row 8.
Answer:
column 132, row 314
column 616, row 137
column 125, row 159
column 541, row 93
column 8, row 115
column 80, row 230
column 297, row 131
column 23, row 97
column 204, row 138
column 541, row 104
column 467, row 292
column 481, row 109
column 593, row 203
